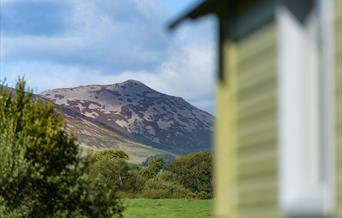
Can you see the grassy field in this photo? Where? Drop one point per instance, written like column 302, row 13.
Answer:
column 167, row 208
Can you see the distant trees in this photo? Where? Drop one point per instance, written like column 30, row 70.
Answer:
column 159, row 187
column 112, row 168
column 189, row 176
column 108, row 155
column 154, row 166
column 185, row 177
column 194, row 172
column 41, row 171
column 167, row 159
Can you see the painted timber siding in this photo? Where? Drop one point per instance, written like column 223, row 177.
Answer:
column 257, row 135
column 226, row 136
column 338, row 46
column 246, row 128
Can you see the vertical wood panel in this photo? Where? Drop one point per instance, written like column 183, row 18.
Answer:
column 257, row 149
column 226, row 136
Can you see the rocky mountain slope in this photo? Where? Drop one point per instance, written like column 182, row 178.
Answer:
column 93, row 135
column 133, row 111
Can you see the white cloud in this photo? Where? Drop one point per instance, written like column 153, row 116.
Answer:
column 111, row 41
column 188, row 72
column 108, row 34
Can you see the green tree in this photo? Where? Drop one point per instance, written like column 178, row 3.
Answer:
column 109, row 154
column 158, row 187
column 111, row 167
column 153, row 168
column 41, row 171
column 165, row 185
column 194, row 172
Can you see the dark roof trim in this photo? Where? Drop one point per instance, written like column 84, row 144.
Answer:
column 204, row 8
column 300, row 9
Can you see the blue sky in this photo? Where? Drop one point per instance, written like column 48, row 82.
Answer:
column 67, row 43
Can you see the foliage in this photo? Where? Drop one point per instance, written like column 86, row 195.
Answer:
column 167, row 158
column 153, row 168
column 168, row 176
column 111, row 167
column 158, row 187
column 182, row 179
column 6, row 213
column 108, row 155
column 41, row 171
column 194, row 172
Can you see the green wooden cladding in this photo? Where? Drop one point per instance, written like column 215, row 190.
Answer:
column 257, row 135
column 338, row 52
column 247, row 150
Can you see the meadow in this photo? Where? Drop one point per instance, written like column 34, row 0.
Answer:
column 167, row 208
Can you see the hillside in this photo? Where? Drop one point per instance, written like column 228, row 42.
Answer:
column 130, row 115
column 93, row 135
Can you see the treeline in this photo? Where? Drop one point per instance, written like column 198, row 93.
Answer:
column 189, row 176
column 43, row 174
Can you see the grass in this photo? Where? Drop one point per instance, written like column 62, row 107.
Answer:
column 167, row 208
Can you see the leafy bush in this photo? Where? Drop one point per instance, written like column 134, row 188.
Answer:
column 108, row 154
column 6, row 213
column 158, row 188
column 167, row 158
column 111, row 167
column 153, row 168
column 41, row 171
column 194, row 172
column 169, row 176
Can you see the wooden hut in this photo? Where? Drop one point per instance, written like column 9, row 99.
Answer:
column 279, row 99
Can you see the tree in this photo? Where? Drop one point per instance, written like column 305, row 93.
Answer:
column 194, row 172
column 109, row 154
column 153, row 168
column 41, row 171
column 167, row 158
column 111, row 167
column 158, row 187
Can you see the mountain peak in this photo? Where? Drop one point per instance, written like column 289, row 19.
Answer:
column 148, row 116
column 130, row 85
column 132, row 82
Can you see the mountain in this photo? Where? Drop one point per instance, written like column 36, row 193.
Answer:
column 93, row 135
column 133, row 111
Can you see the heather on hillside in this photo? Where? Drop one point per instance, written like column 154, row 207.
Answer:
column 133, row 110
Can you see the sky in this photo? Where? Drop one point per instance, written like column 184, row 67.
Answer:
column 68, row 43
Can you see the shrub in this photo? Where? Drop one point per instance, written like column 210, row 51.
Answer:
column 202, row 195
column 167, row 158
column 6, row 213
column 194, row 172
column 158, row 188
column 108, row 154
column 169, row 176
column 153, row 168
column 41, row 171
column 113, row 169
